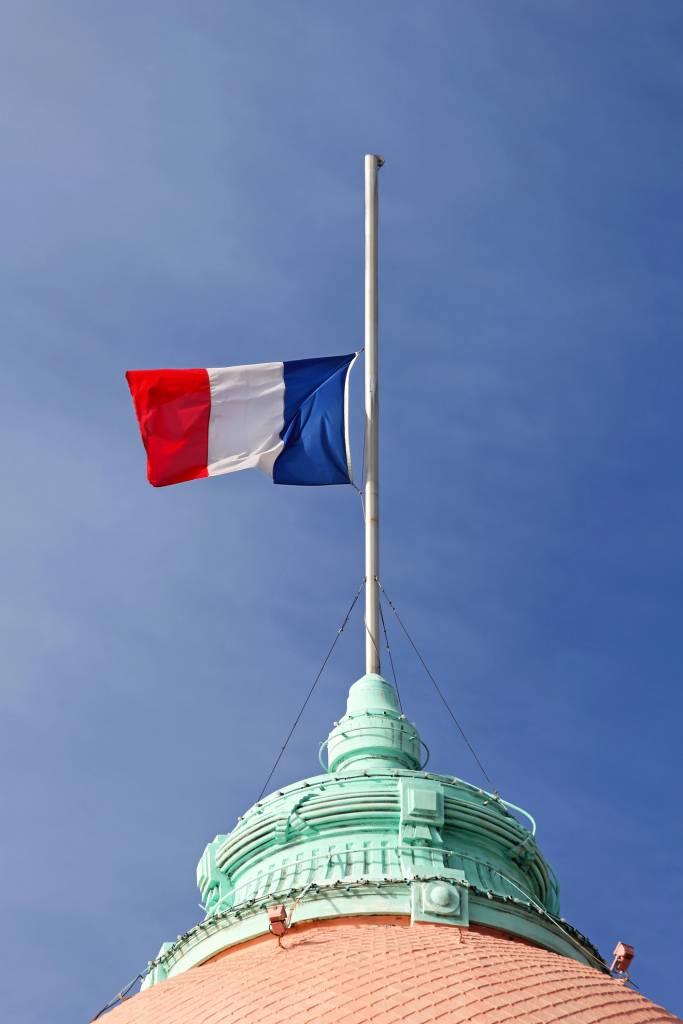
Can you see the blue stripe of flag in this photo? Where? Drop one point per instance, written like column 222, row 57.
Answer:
column 314, row 431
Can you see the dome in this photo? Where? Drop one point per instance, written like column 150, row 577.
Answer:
column 382, row 970
column 392, row 894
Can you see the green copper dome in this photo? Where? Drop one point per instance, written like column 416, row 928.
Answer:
column 375, row 834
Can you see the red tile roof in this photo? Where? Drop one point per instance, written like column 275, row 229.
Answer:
column 358, row 970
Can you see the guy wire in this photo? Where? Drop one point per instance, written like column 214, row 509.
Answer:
column 310, row 692
column 391, row 659
column 437, row 688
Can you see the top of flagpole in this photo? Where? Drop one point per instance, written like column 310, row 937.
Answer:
column 371, row 475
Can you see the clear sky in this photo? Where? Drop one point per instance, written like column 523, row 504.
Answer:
column 182, row 185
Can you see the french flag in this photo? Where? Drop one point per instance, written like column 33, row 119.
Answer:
column 288, row 419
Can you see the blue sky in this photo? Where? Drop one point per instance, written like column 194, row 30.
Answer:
column 182, row 185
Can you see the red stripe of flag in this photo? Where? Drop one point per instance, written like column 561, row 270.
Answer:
column 173, row 408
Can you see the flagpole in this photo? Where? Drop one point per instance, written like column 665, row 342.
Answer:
column 371, row 474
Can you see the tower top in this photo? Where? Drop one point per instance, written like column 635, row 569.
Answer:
column 375, row 834
column 373, row 734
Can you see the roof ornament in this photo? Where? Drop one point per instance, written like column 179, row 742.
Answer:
column 373, row 734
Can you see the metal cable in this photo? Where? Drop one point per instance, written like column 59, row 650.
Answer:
column 391, row 658
column 436, row 686
column 120, row 996
column 541, row 910
column 310, row 692
column 372, row 639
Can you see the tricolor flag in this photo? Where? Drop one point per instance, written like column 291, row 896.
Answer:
column 288, row 419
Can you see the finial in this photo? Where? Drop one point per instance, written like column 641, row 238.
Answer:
column 373, row 734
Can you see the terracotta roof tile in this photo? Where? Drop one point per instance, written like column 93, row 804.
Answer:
column 364, row 971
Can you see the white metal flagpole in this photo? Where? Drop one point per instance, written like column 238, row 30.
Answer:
column 371, row 475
